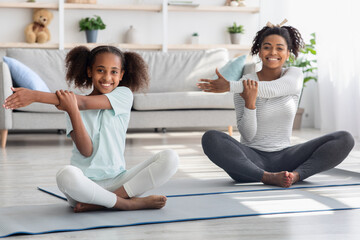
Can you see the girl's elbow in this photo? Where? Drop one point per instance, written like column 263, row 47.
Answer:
column 86, row 152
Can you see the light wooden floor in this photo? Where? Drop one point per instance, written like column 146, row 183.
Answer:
column 32, row 160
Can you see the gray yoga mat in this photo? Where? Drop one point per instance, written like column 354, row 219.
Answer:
column 192, row 187
column 38, row 219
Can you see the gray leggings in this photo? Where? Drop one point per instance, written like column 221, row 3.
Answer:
column 245, row 164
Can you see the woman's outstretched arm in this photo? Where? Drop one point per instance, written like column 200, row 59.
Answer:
column 289, row 84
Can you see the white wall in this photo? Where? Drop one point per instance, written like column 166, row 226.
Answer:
column 210, row 26
column 303, row 16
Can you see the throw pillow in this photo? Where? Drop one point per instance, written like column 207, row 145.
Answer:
column 233, row 69
column 23, row 76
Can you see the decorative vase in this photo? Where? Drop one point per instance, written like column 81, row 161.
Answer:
column 130, row 35
column 235, row 38
column 234, row 3
column 194, row 39
column 91, row 36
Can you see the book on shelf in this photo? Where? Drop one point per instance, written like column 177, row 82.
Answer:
column 183, row 3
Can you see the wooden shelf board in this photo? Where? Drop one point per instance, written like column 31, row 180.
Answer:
column 214, row 9
column 120, row 45
column 150, row 8
column 28, row 45
column 127, row 46
column 29, row 5
column 207, row 46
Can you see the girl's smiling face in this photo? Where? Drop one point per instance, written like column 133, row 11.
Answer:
column 106, row 73
column 274, row 51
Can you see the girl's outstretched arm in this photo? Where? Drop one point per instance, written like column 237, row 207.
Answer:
column 23, row 97
column 68, row 103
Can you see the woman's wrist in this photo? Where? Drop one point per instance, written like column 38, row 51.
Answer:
column 250, row 105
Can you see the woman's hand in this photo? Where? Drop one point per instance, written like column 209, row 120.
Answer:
column 250, row 93
column 68, row 101
column 21, row 97
column 219, row 85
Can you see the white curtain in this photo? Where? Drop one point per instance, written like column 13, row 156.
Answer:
column 338, row 47
column 336, row 101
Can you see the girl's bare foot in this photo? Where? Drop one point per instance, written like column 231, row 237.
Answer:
column 149, row 202
column 281, row 179
column 86, row 207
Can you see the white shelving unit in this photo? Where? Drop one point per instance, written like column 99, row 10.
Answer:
column 164, row 9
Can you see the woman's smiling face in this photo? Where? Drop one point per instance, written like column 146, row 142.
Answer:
column 274, row 51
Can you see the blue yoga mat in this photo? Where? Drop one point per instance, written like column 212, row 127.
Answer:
column 38, row 219
column 194, row 187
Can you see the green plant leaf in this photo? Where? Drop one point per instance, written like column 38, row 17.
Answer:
column 95, row 23
column 236, row 28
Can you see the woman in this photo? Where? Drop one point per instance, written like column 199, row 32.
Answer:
column 266, row 103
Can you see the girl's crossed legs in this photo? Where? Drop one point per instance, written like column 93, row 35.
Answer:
column 120, row 192
column 282, row 168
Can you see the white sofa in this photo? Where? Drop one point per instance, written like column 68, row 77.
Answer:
column 173, row 99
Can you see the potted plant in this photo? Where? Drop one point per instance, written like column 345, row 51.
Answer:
column 235, row 33
column 195, row 38
column 91, row 27
column 307, row 62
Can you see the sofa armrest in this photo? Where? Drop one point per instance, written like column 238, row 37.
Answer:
column 5, row 91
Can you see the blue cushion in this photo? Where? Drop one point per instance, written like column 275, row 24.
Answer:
column 23, row 76
column 232, row 70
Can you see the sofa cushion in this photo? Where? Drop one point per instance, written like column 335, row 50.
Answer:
column 180, row 71
column 183, row 100
column 232, row 70
column 23, row 76
column 49, row 64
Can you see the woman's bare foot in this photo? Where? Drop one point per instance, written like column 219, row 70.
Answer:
column 294, row 176
column 149, row 202
column 281, row 179
column 86, row 207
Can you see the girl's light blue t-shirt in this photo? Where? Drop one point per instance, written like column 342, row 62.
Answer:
column 107, row 130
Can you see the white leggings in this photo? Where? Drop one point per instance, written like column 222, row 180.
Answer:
column 145, row 176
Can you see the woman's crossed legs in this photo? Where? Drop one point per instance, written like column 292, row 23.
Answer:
column 281, row 168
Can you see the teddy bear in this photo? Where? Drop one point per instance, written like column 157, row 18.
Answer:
column 38, row 31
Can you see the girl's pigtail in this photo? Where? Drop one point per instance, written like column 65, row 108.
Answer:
column 136, row 76
column 76, row 63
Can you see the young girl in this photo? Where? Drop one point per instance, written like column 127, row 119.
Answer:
column 265, row 110
column 97, row 124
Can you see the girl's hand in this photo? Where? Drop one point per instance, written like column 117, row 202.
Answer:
column 250, row 93
column 68, row 102
column 219, row 85
column 21, row 97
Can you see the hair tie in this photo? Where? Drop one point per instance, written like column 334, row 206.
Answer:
column 270, row 25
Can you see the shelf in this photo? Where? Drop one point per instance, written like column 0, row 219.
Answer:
column 128, row 46
column 119, row 45
column 29, row 5
column 207, row 46
column 149, row 8
column 214, row 9
column 164, row 46
column 28, row 45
